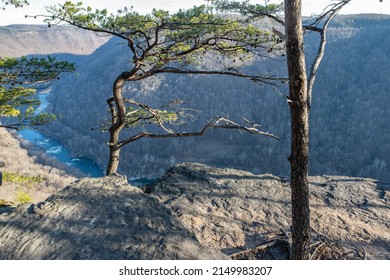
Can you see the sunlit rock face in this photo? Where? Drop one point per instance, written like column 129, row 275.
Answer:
column 234, row 210
column 101, row 218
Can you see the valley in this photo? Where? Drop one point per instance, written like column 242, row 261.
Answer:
column 227, row 194
column 349, row 116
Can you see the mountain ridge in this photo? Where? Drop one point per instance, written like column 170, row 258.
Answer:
column 349, row 131
column 344, row 117
column 22, row 40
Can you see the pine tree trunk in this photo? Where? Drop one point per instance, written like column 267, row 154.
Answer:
column 299, row 113
column 118, row 123
column 113, row 160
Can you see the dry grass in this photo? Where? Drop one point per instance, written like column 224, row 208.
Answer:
column 277, row 246
column 17, row 160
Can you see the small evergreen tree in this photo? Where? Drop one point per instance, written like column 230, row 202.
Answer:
column 167, row 43
column 18, row 79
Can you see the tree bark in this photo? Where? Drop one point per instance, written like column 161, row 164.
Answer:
column 299, row 113
column 113, row 159
column 118, row 122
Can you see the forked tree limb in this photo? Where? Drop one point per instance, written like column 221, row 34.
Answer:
column 217, row 123
column 328, row 16
column 325, row 17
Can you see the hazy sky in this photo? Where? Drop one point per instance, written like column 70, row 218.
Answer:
column 13, row 16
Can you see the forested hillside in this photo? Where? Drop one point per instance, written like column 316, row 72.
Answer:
column 349, row 124
column 19, row 40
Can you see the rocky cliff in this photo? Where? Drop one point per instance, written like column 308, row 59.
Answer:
column 198, row 212
column 98, row 219
column 235, row 211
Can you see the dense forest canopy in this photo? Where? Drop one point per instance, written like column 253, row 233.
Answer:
column 163, row 43
column 349, row 110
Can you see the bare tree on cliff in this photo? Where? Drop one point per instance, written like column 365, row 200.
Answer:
column 299, row 99
column 169, row 43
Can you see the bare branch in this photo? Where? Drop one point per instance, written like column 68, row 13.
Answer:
column 328, row 15
column 155, row 114
column 331, row 9
column 217, row 123
column 246, row 9
column 270, row 80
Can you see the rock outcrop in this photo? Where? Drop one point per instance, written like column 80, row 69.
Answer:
column 234, row 210
column 199, row 212
column 103, row 218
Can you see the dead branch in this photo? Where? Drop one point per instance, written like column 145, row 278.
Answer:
column 269, row 80
column 217, row 123
column 324, row 15
column 327, row 16
column 323, row 248
column 153, row 112
column 260, row 247
column 317, row 249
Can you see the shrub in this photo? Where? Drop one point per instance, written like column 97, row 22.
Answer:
column 22, row 179
column 22, row 197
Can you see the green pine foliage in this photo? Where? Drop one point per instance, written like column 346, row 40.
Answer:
column 23, row 197
column 23, row 180
column 15, row 3
column 161, row 42
column 19, row 78
column 160, row 38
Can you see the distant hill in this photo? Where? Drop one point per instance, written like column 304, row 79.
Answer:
column 19, row 40
column 349, row 116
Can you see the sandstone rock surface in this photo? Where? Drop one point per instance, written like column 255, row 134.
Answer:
column 198, row 212
column 103, row 218
column 234, row 210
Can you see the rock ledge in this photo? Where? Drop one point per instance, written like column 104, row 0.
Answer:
column 102, row 218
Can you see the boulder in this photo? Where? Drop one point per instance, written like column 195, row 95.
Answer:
column 234, row 210
column 199, row 212
column 101, row 218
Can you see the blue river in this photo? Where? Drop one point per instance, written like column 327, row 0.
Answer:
column 54, row 148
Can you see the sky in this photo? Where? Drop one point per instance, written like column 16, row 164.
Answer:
column 17, row 16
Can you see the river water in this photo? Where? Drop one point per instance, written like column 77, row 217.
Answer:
column 54, row 148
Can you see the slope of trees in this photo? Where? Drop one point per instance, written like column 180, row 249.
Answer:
column 349, row 116
column 21, row 168
column 24, row 40
column 162, row 43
